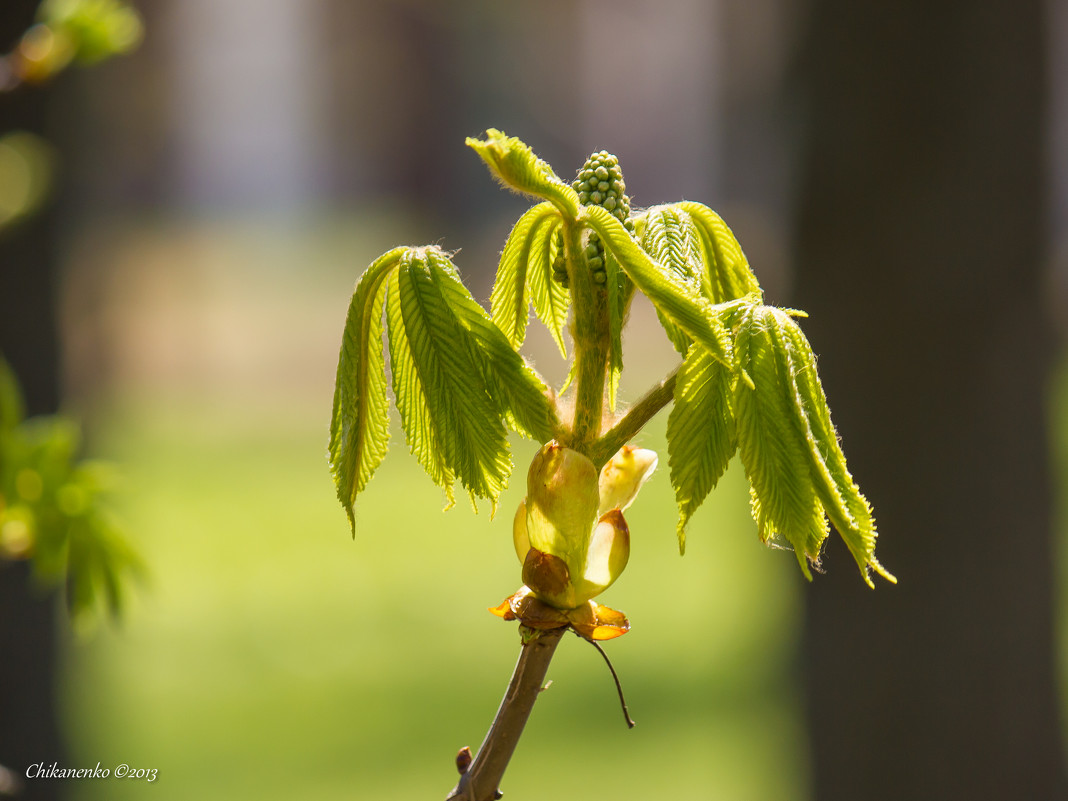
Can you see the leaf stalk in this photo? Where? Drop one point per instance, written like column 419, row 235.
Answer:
column 634, row 420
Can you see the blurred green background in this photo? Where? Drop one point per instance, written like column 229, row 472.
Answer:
column 273, row 656
column 181, row 288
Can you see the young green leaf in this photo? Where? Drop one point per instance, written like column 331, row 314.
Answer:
column 515, row 165
column 700, row 432
column 521, row 393
column 668, row 235
column 359, row 422
column 772, row 441
column 510, row 298
column 842, row 500
column 551, row 298
column 467, row 421
column 727, row 273
column 411, row 398
column 456, row 380
column 672, row 297
column 789, row 446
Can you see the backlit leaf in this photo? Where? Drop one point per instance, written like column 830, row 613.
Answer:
column 671, row 296
column 510, row 299
column 551, row 299
column 514, row 164
column 359, row 427
column 668, row 235
column 789, row 446
column 772, row 440
column 727, row 273
column 411, row 399
column 842, row 500
column 700, row 432
column 518, row 390
column 467, row 423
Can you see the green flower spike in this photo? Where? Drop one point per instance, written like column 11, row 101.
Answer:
column 570, row 534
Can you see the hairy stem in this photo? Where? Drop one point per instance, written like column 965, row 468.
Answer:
column 482, row 779
column 589, row 331
column 631, row 423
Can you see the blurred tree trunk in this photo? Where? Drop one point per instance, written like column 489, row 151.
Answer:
column 921, row 251
column 28, row 726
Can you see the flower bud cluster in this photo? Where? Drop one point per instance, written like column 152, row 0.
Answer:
column 599, row 183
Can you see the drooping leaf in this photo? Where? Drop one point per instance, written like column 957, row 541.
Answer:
column 456, row 379
column 359, row 427
column 727, row 272
column 515, row 165
column 551, row 299
column 468, row 424
column 510, row 298
column 410, row 396
column 789, row 446
column 672, row 297
column 525, row 398
column 700, row 432
column 842, row 500
column 772, row 440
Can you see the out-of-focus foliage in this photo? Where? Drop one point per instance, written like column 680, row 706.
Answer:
column 79, row 31
column 53, row 509
column 26, row 168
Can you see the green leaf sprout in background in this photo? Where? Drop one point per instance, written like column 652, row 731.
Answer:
column 746, row 384
column 53, row 507
column 54, row 511
column 82, row 32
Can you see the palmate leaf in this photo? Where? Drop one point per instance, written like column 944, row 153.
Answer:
column 700, row 432
column 510, row 298
column 789, row 449
column 772, row 442
column 525, row 275
column 519, row 391
column 668, row 235
column 842, row 500
column 551, row 298
column 359, row 422
column 693, row 315
column 410, row 397
column 727, row 273
column 468, row 425
column 456, row 378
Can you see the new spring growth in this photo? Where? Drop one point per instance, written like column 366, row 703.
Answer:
column 569, row 532
column 746, row 385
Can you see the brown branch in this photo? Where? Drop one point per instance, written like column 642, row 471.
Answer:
column 481, row 781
